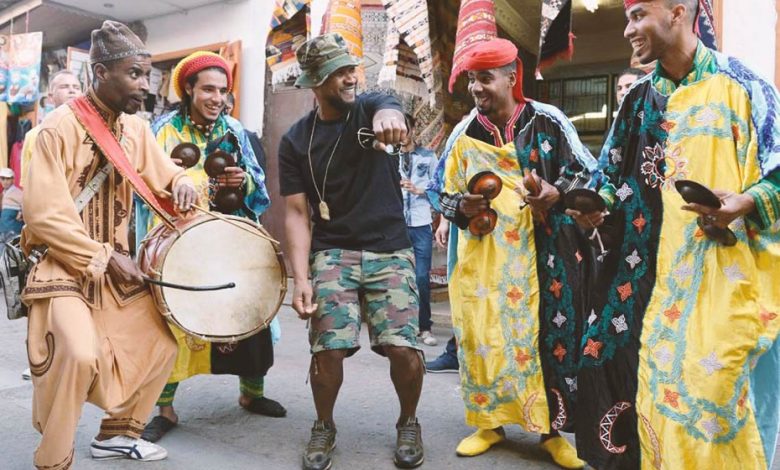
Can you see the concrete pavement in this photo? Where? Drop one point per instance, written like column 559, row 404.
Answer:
column 215, row 433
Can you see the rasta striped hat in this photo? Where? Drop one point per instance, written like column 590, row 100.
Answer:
column 194, row 63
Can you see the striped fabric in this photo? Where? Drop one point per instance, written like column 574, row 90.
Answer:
column 765, row 196
column 289, row 29
column 705, row 24
column 167, row 395
column 476, row 22
column 344, row 17
column 408, row 61
column 252, row 387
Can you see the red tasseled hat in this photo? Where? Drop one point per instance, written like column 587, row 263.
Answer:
column 630, row 3
column 492, row 54
column 476, row 23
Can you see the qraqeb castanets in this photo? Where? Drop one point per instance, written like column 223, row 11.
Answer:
column 221, row 155
column 489, row 185
column 533, row 185
column 693, row 192
column 587, row 201
column 187, row 153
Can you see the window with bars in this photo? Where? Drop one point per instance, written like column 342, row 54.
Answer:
column 585, row 101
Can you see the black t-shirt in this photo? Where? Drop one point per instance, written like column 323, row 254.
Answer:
column 362, row 191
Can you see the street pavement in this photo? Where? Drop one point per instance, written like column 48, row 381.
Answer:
column 214, row 432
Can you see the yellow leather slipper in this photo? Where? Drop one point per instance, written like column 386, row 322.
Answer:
column 563, row 453
column 480, row 442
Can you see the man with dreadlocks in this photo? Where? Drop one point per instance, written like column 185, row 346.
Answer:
column 202, row 81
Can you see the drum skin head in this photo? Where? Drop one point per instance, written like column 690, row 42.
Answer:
column 217, row 252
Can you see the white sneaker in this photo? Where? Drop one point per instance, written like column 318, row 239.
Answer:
column 124, row 447
column 26, row 375
column 428, row 338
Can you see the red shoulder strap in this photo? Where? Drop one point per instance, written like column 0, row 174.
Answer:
column 106, row 141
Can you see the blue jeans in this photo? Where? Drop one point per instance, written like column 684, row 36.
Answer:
column 422, row 243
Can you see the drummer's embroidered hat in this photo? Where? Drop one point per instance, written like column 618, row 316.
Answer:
column 6, row 173
column 194, row 63
column 320, row 57
column 114, row 41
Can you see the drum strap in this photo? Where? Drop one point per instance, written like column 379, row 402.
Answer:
column 92, row 187
column 109, row 146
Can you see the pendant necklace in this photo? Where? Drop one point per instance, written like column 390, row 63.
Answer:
column 323, row 206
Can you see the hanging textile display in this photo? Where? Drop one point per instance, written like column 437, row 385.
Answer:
column 476, row 23
column 289, row 29
column 375, row 24
column 705, row 24
column 408, row 61
column 20, row 65
column 556, row 40
column 430, row 128
column 343, row 17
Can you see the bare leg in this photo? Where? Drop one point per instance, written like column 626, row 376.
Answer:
column 406, row 371
column 326, row 375
column 170, row 413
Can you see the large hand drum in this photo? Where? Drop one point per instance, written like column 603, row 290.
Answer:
column 207, row 251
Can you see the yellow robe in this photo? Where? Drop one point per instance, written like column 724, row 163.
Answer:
column 494, row 294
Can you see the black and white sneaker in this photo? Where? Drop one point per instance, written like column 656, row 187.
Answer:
column 124, row 447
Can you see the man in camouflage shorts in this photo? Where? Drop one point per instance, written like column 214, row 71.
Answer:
column 345, row 224
column 389, row 296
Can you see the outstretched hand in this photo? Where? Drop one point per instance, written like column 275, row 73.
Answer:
column 389, row 128
column 733, row 206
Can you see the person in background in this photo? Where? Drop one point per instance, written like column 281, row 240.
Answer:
column 417, row 165
column 11, row 215
column 63, row 86
column 252, row 136
column 627, row 78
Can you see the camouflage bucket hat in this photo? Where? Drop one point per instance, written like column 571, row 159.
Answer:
column 320, row 57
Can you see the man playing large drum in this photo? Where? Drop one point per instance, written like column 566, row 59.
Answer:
column 94, row 332
column 360, row 250
column 202, row 81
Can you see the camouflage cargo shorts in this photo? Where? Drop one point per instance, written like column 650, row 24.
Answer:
column 380, row 285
